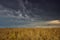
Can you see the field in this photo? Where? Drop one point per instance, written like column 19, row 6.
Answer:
column 29, row 33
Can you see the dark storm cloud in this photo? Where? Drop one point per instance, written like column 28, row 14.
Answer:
column 50, row 8
column 10, row 3
column 46, row 9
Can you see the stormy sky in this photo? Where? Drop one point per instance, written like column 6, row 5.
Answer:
column 39, row 11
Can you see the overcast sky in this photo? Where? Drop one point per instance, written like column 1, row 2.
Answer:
column 46, row 10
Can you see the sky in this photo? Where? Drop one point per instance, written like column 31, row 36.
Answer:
column 29, row 13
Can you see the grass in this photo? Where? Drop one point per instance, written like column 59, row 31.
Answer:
column 29, row 33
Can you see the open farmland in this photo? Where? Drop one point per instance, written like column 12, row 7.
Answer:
column 29, row 33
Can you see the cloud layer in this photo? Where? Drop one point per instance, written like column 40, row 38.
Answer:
column 29, row 13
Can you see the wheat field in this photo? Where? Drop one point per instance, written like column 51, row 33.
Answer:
column 29, row 33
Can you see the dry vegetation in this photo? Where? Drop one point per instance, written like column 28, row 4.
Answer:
column 30, row 34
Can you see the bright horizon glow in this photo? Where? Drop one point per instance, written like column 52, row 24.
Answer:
column 54, row 22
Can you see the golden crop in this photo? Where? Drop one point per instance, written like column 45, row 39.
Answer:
column 29, row 33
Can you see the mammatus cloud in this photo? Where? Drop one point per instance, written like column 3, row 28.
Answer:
column 29, row 14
